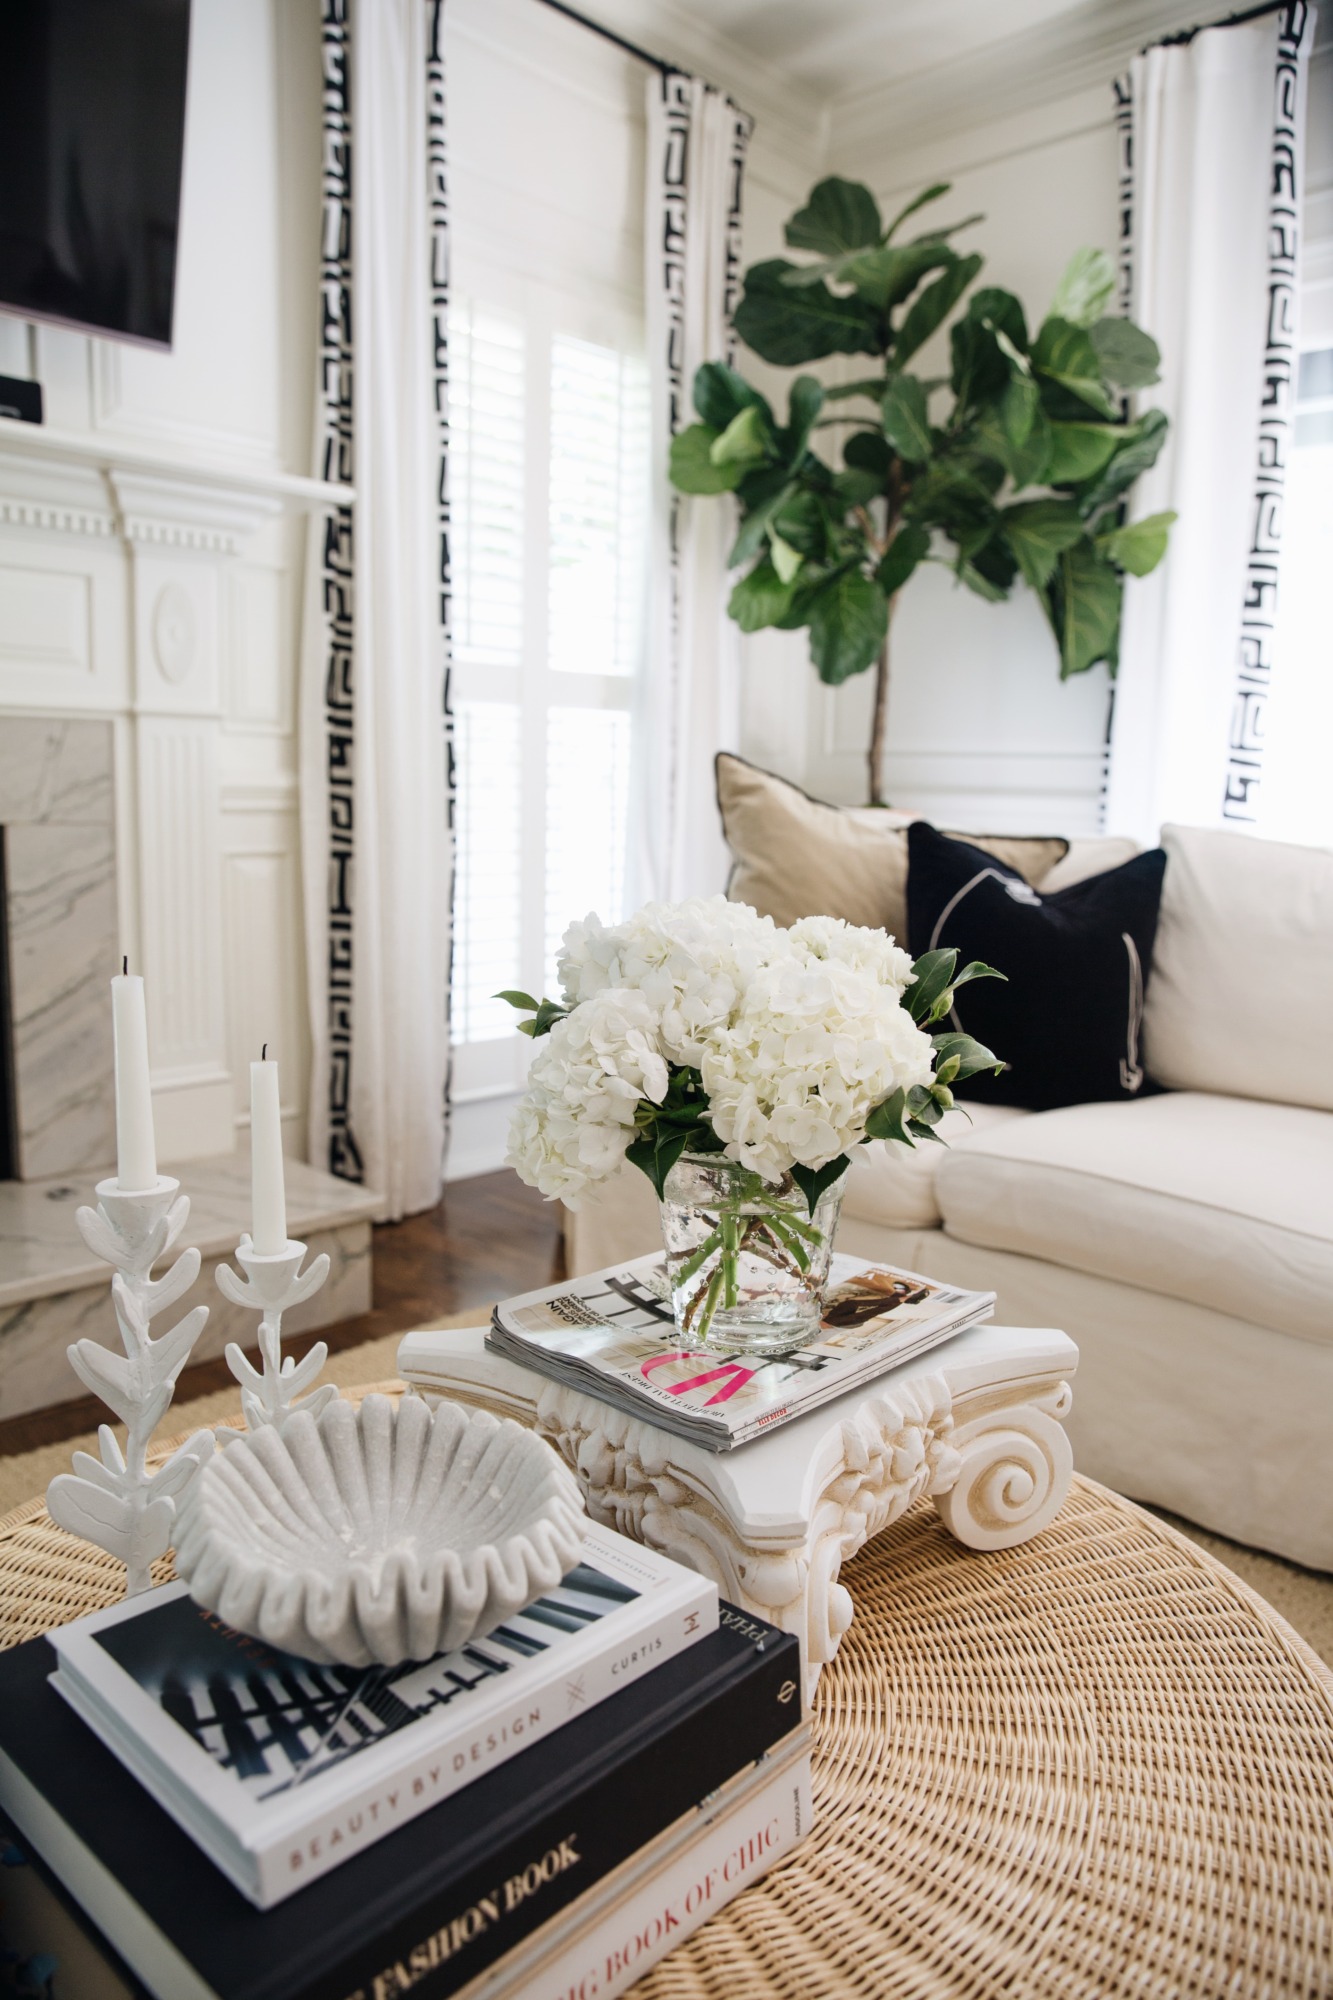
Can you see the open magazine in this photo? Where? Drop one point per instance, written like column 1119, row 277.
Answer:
column 613, row 1334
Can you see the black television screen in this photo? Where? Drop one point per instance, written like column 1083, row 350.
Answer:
column 92, row 133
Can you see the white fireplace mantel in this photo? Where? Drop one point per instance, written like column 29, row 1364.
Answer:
column 158, row 589
column 99, row 452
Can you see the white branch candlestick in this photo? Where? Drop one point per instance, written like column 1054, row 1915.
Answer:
column 115, row 1501
column 272, row 1287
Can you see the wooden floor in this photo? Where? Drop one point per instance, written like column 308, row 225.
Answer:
column 489, row 1238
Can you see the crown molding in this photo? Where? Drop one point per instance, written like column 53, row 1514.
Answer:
column 786, row 113
column 1077, row 51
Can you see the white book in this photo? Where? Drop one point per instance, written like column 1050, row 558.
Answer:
column 620, row 1930
column 280, row 1769
column 612, row 1334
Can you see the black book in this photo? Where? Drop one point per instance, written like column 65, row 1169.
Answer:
column 459, row 1886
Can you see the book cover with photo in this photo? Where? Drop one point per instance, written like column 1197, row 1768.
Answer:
column 476, row 1893
column 281, row 1768
column 613, row 1334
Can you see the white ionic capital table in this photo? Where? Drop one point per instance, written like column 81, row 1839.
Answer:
column 976, row 1424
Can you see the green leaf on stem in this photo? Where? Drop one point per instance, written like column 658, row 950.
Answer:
column 849, row 620
column 759, row 599
column 1037, row 531
column 1086, row 288
column 932, row 979
column 839, row 216
column 1127, row 355
column 790, row 327
column 869, row 451
column 721, row 394
column 854, row 488
column 657, row 1155
column 973, row 1057
column 884, row 278
column 746, row 441
column 1139, row 546
column 692, row 467
column 909, row 546
column 524, row 1001
column 906, row 423
column 1089, row 594
column 786, row 560
column 888, row 1120
column 872, row 386
column 803, row 406
column 812, row 1181
column 1135, row 454
column 918, row 201
column 932, row 307
column 1078, row 451
column 1002, row 313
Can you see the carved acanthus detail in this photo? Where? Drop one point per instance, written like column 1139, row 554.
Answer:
column 893, row 1450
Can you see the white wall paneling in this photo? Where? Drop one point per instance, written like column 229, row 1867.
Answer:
column 261, row 911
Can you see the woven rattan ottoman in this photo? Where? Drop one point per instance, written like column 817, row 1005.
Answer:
column 1094, row 1767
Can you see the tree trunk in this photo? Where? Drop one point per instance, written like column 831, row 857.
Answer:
column 876, row 756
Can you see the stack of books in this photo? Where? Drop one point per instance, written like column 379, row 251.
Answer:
column 547, row 1810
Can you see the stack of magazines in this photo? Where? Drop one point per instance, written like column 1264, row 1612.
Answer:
column 547, row 1810
column 613, row 1334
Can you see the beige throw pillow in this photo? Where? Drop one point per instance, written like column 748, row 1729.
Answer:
column 794, row 857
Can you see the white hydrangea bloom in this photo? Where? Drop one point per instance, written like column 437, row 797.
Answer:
column 585, row 1083
column 821, row 1039
column 798, row 1034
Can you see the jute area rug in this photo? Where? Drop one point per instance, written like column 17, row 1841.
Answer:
column 1304, row 1597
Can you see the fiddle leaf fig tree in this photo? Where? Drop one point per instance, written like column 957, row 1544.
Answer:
column 1012, row 466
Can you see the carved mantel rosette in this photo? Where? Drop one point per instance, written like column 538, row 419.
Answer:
column 978, row 1430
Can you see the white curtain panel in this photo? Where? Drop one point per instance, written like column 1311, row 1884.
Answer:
column 1211, row 144
column 688, row 695
column 376, row 732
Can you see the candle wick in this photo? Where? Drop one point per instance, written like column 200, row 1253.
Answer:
column 263, row 1054
column 125, row 965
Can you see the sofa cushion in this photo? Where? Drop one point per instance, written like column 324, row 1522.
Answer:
column 894, row 1185
column 1218, row 1200
column 795, row 857
column 1090, row 856
column 1066, row 1016
column 1242, row 987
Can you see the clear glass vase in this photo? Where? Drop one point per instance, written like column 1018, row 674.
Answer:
column 747, row 1261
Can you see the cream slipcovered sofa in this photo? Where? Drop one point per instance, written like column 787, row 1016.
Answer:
column 1184, row 1240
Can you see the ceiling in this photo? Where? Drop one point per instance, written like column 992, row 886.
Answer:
column 893, row 71
column 837, row 48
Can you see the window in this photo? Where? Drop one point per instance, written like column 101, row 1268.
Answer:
column 549, row 493
column 1296, row 800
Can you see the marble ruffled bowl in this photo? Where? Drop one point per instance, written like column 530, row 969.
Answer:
column 385, row 1533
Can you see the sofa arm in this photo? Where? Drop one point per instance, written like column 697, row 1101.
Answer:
column 614, row 1222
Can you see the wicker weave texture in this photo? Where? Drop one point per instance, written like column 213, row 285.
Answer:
column 1097, row 1767
column 1093, row 1766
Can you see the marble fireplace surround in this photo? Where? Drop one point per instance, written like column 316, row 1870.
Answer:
column 57, row 811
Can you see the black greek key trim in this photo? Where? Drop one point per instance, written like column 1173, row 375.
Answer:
column 438, row 216
column 335, row 419
column 1244, row 774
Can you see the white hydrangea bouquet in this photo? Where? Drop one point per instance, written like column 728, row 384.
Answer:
column 736, row 1063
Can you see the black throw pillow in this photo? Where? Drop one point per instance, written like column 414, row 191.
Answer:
column 1077, row 963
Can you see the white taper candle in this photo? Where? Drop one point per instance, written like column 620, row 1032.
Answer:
column 136, row 1151
column 268, row 1192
